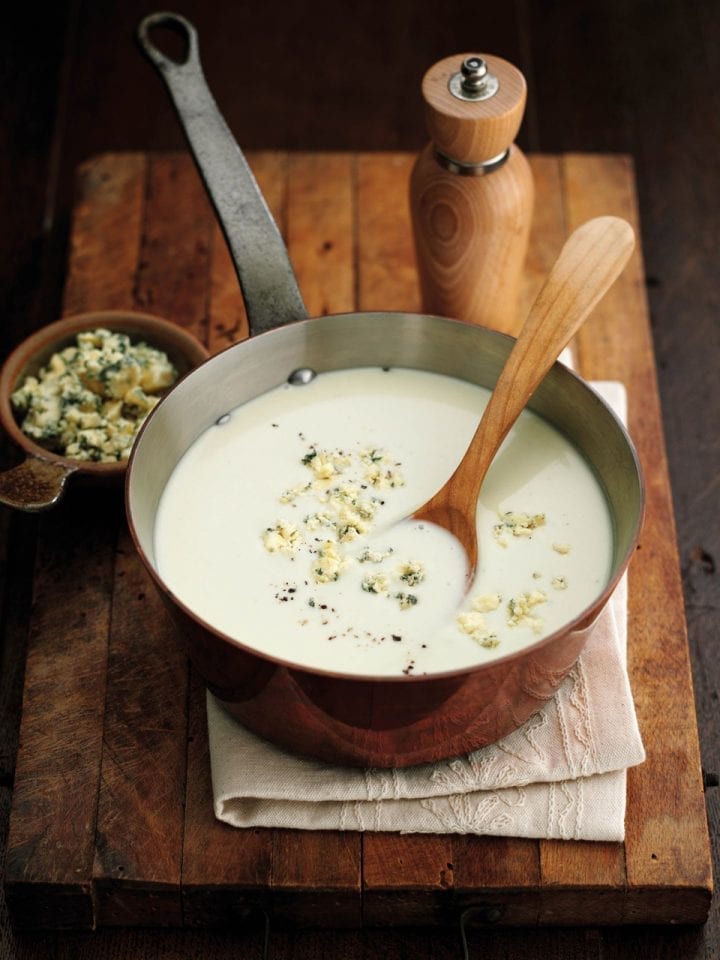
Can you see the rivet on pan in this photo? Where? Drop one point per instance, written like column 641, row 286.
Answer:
column 301, row 376
column 221, row 421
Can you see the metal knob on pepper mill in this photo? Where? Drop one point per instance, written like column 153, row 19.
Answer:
column 471, row 191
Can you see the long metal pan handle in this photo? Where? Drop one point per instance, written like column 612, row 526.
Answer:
column 272, row 297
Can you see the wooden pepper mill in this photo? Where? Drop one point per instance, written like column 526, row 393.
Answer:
column 471, row 192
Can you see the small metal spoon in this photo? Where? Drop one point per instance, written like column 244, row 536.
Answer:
column 589, row 263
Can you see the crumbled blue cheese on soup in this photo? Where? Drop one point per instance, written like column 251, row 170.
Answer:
column 282, row 538
column 91, row 398
column 374, row 556
column 375, row 583
column 486, row 602
column 520, row 610
column 329, row 563
column 406, row 600
column 516, row 525
column 411, row 572
column 342, row 496
column 340, row 500
column 380, row 470
column 473, row 623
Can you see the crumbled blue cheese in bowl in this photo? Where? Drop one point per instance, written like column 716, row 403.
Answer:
column 90, row 399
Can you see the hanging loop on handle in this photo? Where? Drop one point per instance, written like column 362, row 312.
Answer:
column 180, row 25
column 270, row 289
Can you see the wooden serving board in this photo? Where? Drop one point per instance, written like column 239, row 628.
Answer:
column 112, row 820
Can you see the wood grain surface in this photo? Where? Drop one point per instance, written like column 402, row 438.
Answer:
column 111, row 822
column 637, row 79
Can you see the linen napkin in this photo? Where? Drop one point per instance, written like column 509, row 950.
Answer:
column 561, row 775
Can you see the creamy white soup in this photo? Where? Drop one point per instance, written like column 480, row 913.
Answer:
column 284, row 526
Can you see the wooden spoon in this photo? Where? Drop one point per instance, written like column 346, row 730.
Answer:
column 592, row 258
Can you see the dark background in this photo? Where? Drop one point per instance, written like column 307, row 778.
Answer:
column 629, row 76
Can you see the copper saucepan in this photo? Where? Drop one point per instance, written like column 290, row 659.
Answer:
column 342, row 718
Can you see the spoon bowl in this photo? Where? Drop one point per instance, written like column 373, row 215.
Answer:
column 589, row 263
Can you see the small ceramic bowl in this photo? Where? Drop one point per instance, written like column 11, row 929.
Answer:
column 40, row 480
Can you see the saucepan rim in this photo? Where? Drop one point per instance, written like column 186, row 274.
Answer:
column 584, row 619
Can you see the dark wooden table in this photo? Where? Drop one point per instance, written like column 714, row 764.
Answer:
column 617, row 99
